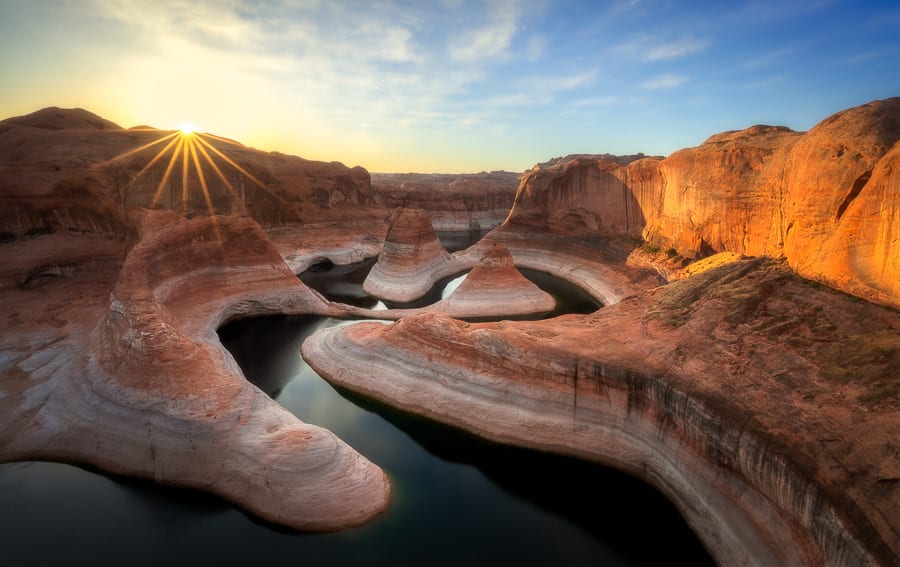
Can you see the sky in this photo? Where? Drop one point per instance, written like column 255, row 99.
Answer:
column 450, row 85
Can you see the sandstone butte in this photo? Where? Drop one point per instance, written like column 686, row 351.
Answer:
column 764, row 405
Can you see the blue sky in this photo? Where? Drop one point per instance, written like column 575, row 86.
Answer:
column 451, row 85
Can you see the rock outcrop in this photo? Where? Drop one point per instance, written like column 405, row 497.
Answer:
column 477, row 201
column 133, row 380
column 494, row 288
column 729, row 391
column 825, row 199
column 411, row 262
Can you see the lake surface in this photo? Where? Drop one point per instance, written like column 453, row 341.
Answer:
column 457, row 499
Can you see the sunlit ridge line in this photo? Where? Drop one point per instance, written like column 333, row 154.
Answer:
column 209, row 205
column 146, row 146
column 221, row 175
column 221, row 139
column 168, row 172
column 155, row 159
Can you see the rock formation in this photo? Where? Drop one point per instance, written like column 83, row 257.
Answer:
column 412, row 260
column 494, row 288
column 131, row 377
column 477, row 201
column 729, row 391
column 825, row 200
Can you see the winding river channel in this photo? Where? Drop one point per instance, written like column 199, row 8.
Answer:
column 456, row 499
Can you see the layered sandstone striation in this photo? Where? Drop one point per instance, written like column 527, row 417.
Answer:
column 411, row 262
column 493, row 288
column 134, row 380
column 476, row 201
column 824, row 199
column 763, row 406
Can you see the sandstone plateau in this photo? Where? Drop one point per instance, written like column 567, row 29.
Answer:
column 765, row 405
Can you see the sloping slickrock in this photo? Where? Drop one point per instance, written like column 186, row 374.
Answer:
column 134, row 381
column 755, row 400
column 412, row 260
column 823, row 199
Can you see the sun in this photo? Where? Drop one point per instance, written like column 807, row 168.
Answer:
column 187, row 128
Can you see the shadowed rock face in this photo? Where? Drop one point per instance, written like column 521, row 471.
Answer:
column 825, row 199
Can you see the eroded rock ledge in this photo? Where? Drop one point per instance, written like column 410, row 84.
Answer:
column 749, row 432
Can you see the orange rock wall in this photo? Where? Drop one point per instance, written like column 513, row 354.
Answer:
column 827, row 200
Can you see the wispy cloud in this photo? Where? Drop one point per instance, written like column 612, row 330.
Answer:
column 655, row 48
column 667, row 81
column 870, row 55
column 675, row 49
column 767, row 58
column 489, row 41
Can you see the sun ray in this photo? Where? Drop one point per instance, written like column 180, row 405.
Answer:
column 168, row 172
column 203, row 186
column 233, row 164
column 184, row 175
column 155, row 159
column 221, row 175
column 145, row 146
column 221, row 139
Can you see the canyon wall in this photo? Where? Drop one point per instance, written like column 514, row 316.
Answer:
column 826, row 199
column 476, row 201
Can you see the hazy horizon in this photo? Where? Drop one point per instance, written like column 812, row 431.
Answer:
column 451, row 86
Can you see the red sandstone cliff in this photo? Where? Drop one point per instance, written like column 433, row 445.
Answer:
column 827, row 199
